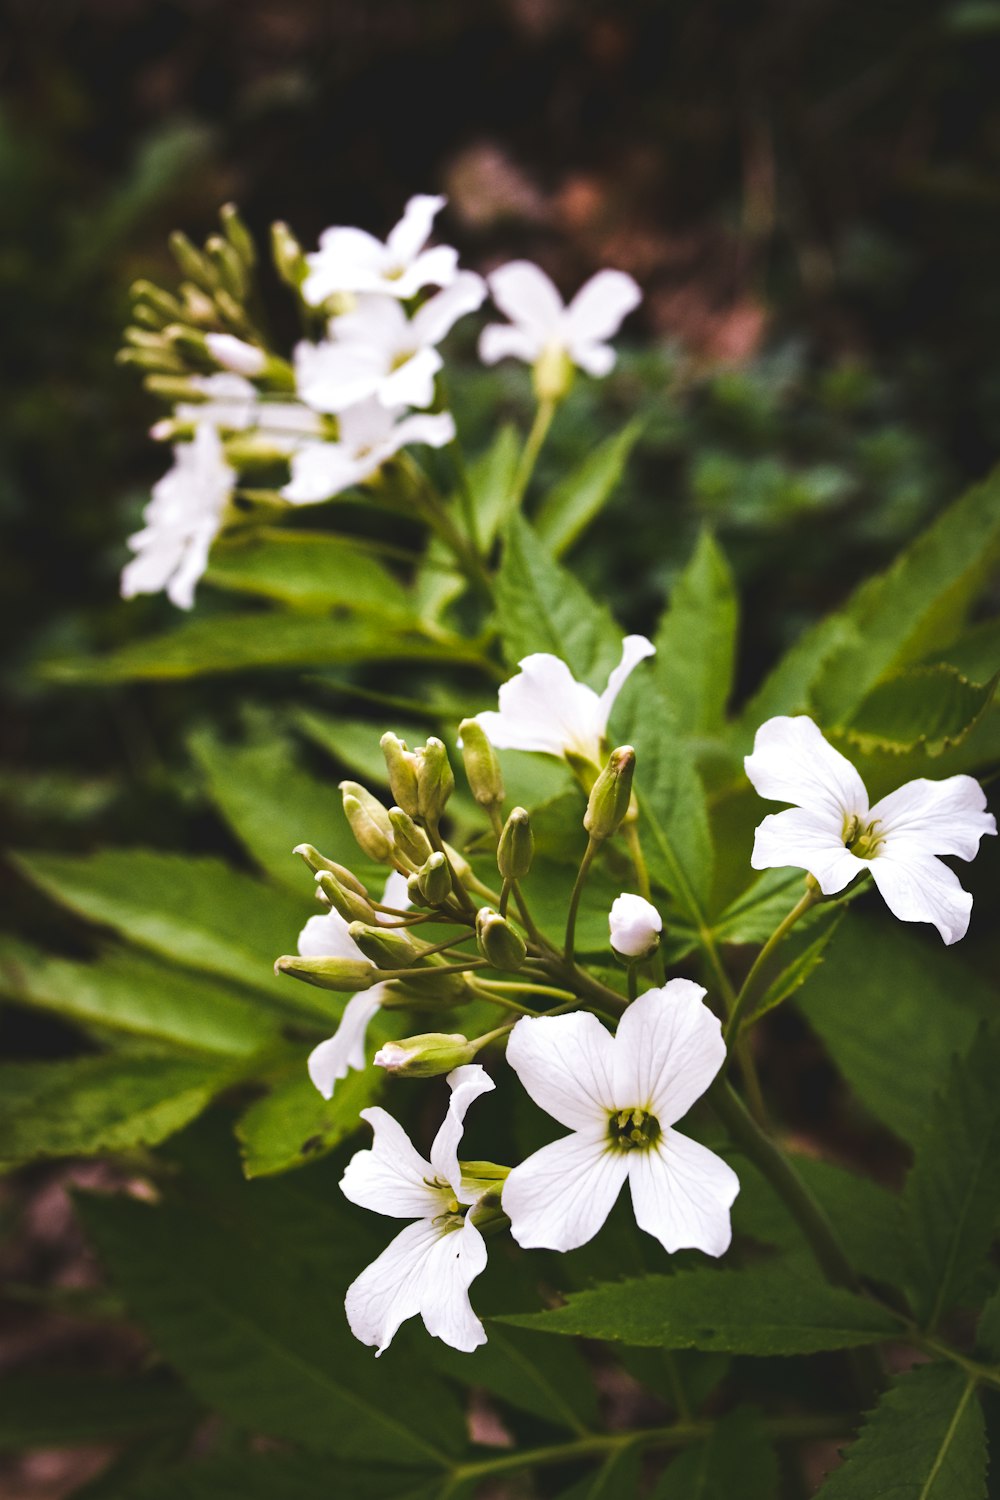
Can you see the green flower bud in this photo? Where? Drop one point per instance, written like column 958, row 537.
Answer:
column 459, row 864
column 435, row 780
column 369, row 822
column 351, row 906
column 166, row 306
column 500, row 943
column 436, row 987
column 172, row 387
column 402, row 767
column 487, row 1212
column 197, row 307
column 231, row 270
column 552, row 374
column 610, row 794
column 286, row 252
column 412, row 840
column 194, row 265
column 238, row 234
column 161, row 361
column 349, row 975
column 317, row 861
column 434, row 880
column 188, row 341
column 416, row 895
column 232, row 311
column 482, row 768
column 426, row 1055
column 516, row 846
column 385, row 947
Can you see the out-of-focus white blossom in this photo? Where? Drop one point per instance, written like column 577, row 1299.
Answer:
column 232, row 404
column 235, row 354
column 541, row 325
column 351, row 260
column 370, row 434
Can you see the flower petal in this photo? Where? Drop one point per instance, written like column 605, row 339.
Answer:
column 919, row 888
column 507, row 341
column 343, row 253
column 935, row 817
column 596, row 360
column 426, row 1269
column 682, row 1194
column 792, row 762
column 440, row 313
column 395, row 894
column 331, row 377
column 413, row 230
column 320, row 471
column 326, row 936
column 391, row 1178
column 635, row 648
column 412, row 383
column 345, row 1050
column 667, row 1049
column 524, row 293
column 559, row 1198
column 601, row 306
column 544, row 708
column 810, row 841
column 466, row 1084
column 435, row 267
column 565, row 1063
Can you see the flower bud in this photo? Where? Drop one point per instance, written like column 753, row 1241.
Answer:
column 386, row 948
column 434, row 987
column 369, row 822
column 351, row 906
column 402, row 767
column 349, row 975
column 460, row 866
column 238, row 234
column 435, row 780
column 610, row 794
column 317, row 861
column 426, row 1055
column 552, row 374
column 487, row 1212
column 434, row 880
column 197, row 307
column 500, row 943
column 408, row 837
column 235, row 354
column 194, row 265
column 166, row 307
column 231, row 270
column 516, row 846
column 482, row 767
column 289, row 261
column 413, row 891
column 635, row 926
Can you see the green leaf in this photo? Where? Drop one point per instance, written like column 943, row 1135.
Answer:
column 924, row 1441
column 56, row 1410
column 543, row 1376
column 951, row 1193
column 568, row 509
column 195, row 911
column 258, row 1330
column 801, row 955
column 272, row 803
column 618, row 1478
column 883, row 980
column 355, row 742
column 293, row 1124
column 126, row 992
column 988, row 1330
column 278, row 1476
column 754, row 915
column 917, row 605
column 934, row 708
column 101, row 1103
column 763, row 1310
column 268, row 638
column 736, row 1460
column 310, row 570
column 788, row 687
column 696, row 642
column 542, row 607
column 673, row 814
column 491, row 482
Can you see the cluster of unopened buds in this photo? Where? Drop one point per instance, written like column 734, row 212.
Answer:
column 619, row 1093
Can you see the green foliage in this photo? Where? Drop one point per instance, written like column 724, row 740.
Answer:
column 932, row 707
column 55, row 1411
column 762, row 1310
column 925, row 1441
column 696, row 642
column 950, row 1199
column 736, row 1460
column 568, row 509
column 293, row 1124
column 617, row 1478
column 546, row 1377
column 313, row 571
column 799, row 957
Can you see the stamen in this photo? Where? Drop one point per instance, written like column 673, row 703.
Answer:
column 633, row 1130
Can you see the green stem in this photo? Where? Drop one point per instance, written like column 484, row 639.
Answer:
column 532, row 447
column 739, row 1011
column 574, row 900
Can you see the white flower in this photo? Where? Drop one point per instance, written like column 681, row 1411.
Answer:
column 182, row 521
column 429, row 1267
column 545, row 708
column 620, row 1097
column 540, row 324
column 326, row 936
column 834, row 834
column 370, row 434
column 235, row 354
column 376, row 350
column 351, row 260
column 234, row 405
column 635, row 926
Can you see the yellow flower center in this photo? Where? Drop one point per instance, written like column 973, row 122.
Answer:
column 633, row 1130
column 863, row 839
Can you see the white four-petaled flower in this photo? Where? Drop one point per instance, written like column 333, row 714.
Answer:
column 544, row 708
column 351, row 260
column 376, row 350
column 620, row 1096
column 370, row 434
column 182, row 520
column 635, row 925
column 540, row 324
column 233, row 404
column 834, row 834
column 429, row 1267
column 326, row 936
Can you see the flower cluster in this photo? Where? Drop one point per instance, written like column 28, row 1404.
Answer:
column 252, row 426
column 619, row 1093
